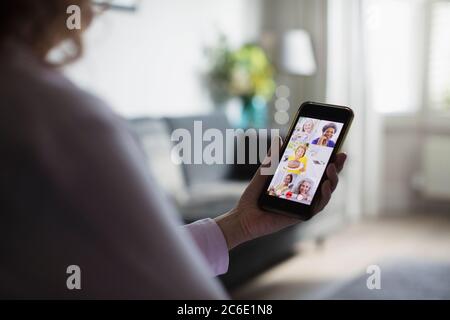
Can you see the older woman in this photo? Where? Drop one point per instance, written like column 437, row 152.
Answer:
column 76, row 191
column 304, row 189
column 328, row 132
column 303, row 133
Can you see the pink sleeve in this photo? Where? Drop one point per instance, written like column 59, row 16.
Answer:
column 211, row 242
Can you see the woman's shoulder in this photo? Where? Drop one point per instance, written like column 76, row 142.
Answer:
column 43, row 96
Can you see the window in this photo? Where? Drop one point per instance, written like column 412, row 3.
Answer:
column 394, row 51
column 439, row 56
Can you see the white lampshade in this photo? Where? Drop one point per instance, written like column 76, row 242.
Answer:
column 297, row 56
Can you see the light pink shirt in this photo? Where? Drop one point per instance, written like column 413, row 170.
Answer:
column 211, row 242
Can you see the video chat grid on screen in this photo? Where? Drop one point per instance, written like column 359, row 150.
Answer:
column 304, row 160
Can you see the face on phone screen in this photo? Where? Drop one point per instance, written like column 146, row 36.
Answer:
column 304, row 160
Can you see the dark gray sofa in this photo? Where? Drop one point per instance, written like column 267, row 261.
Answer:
column 201, row 190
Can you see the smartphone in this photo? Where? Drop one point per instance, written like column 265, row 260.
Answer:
column 315, row 136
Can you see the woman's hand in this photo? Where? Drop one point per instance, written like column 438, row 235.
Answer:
column 323, row 141
column 247, row 221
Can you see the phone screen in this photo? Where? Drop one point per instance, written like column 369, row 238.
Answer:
column 304, row 160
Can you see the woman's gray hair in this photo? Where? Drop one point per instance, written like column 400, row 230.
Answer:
column 311, row 183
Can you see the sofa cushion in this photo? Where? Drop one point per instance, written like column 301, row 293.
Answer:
column 201, row 173
column 155, row 141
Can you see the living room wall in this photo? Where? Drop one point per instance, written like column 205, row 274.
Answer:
column 150, row 62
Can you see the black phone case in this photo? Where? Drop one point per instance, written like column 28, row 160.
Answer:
column 323, row 112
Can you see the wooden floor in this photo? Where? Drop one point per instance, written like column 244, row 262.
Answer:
column 349, row 252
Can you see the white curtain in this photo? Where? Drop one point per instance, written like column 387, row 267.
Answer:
column 346, row 85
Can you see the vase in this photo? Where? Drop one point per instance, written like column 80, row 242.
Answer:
column 254, row 113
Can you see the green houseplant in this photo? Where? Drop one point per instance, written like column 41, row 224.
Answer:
column 245, row 73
